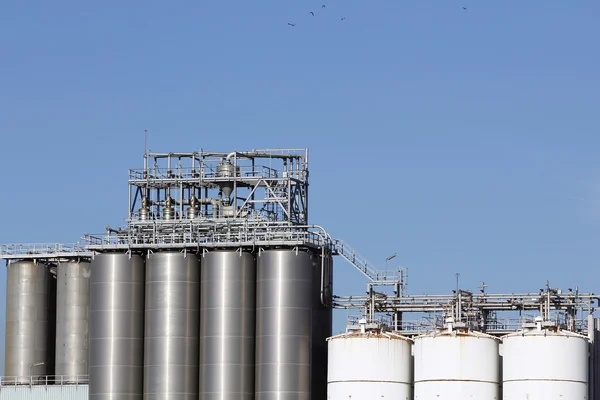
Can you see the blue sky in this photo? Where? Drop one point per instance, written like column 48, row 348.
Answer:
column 466, row 141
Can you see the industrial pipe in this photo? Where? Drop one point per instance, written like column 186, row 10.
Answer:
column 117, row 231
column 252, row 154
column 215, row 203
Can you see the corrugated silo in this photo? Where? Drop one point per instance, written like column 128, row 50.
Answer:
column 26, row 346
column 72, row 320
column 543, row 364
column 283, row 325
column 227, row 327
column 457, row 366
column 367, row 366
column 172, row 323
column 116, row 326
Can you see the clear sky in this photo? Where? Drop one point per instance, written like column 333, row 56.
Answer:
column 465, row 140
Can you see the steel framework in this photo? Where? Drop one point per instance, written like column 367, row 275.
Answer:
column 258, row 199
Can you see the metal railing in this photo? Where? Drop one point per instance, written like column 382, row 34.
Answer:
column 202, row 233
column 361, row 264
column 188, row 234
column 46, row 250
column 208, row 173
column 212, row 232
column 44, row 380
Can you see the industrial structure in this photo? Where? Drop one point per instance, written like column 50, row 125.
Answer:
column 218, row 287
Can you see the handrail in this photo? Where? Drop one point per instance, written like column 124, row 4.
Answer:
column 43, row 380
column 48, row 249
column 361, row 264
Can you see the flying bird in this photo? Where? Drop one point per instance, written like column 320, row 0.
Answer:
column 323, row 6
column 343, row 18
column 290, row 24
column 312, row 13
column 465, row 8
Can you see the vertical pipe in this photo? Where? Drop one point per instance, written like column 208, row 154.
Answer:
column 321, row 324
column 181, row 216
column 51, row 336
column 235, row 178
column 252, row 194
column 591, row 370
column 596, row 357
column 129, row 201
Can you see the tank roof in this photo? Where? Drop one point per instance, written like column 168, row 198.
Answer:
column 457, row 333
column 545, row 332
column 370, row 335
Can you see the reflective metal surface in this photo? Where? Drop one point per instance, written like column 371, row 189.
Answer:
column 26, row 343
column 227, row 328
column 283, row 325
column 72, row 319
column 116, row 326
column 172, row 324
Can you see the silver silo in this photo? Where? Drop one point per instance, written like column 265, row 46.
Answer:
column 172, row 326
column 116, row 326
column 72, row 320
column 284, row 305
column 227, row 327
column 26, row 343
column 321, row 323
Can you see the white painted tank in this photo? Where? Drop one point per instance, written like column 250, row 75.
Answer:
column 543, row 364
column 456, row 365
column 367, row 366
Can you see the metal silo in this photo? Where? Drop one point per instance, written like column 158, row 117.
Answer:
column 456, row 366
column 283, row 325
column 26, row 344
column 542, row 364
column 72, row 320
column 171, row 332
column 116, row 326
column 227, row 327
column 367, row 366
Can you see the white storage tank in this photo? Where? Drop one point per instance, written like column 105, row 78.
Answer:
column 454, row 365
column 545, row 364
column 369, row 365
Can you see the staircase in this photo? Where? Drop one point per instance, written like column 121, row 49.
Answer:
column 374, row 275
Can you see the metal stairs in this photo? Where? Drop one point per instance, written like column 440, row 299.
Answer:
column 363, row 266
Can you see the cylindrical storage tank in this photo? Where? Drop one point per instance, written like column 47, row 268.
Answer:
column 457, row 366
column 545, row 365
column 172, row 324
column 26, row 343
column 116, row 326
column 227, row 325
column 283, row 325
column 72, row 321
column 367, row 366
